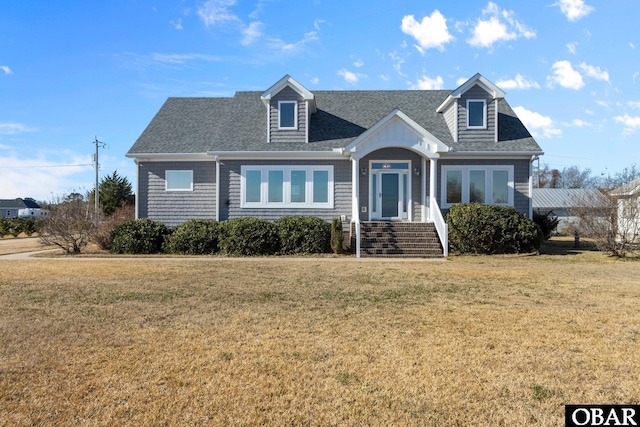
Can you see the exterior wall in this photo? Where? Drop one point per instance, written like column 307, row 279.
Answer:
column 230, row 197
column 520, row 179
column 480, row 135
column 175, row 207
column 450, row 118
column 9, row 213
column 288, row 136
column 416, row 181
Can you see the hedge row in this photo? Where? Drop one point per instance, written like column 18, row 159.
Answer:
column 236, row 237
column 15, row 226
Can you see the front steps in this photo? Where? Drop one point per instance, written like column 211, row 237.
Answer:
column 397, row 239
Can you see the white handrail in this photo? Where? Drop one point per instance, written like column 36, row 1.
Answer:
column 441, row 226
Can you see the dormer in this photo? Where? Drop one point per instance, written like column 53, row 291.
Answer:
column 471, row 111
column 289, row 108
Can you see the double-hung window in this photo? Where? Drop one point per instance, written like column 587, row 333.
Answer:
column 477, row 184
column 287, row 187
column 476, row 114
column 179, row 180
column 287, row 115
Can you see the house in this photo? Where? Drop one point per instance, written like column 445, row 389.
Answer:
column 564, row 204
column 627, row 197
column 389, row 163
column 21, row 208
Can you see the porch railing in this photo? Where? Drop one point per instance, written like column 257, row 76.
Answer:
column 441, row 226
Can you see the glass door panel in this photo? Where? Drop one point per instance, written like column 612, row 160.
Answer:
column 390, row 194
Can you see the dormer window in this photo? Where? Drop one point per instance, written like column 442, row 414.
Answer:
column 288, row 115
column 477, row 114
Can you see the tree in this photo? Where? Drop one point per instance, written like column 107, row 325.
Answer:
column 69, row 225
column 115, row 192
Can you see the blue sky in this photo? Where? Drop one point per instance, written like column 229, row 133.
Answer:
column 71, row 71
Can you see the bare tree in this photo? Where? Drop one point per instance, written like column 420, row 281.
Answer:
column 69, row 225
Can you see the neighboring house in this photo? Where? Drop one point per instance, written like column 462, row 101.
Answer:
column 384, row 156
column 628, row 201
column 21, row 208
column 563, row 203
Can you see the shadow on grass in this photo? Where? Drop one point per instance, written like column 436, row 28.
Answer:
column 560, row 245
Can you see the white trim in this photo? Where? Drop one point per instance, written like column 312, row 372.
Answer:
column 279, row 155
column 217, row 188
column 497, row 126
column 137, row 195
column 373, row 200
column 488, row 169
column 459, row 155
column 433, row 176
column 285, row 81
column 484, row 113
column 178, row 157
column 166, row 179
column 286, row 187
column 295, row 115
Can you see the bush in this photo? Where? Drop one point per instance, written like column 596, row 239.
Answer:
column 102, row 234
column 337, row 238
column 194, row 237
column 547, row 223
column 303, row 235
column 248, row 236
column 139, row 236
column 68, row 225
column 488, row 229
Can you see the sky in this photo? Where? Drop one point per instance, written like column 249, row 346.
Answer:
column 72, row 72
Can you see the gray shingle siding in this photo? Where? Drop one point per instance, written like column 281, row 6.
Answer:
column 476, row 135
column 520, row 178
column 230, row 197
column 175, row 207
column 288, row 136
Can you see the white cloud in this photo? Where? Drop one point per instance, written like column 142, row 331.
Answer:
column 349, row 76
column 499, row 25
column 430, row 33
column 427, row 83
column 176, row 24
column 634, row 104
column 252, row 33
column 572, row 47
column 397, row 63
column 214, row 12
column 574, row 9
column 565, row 76
column 178, row 58
column 315, row 80
column 631, row 123
column 594, row 72
column 537, row 124
column 519, row 82
column 283, row 47
column 6, row 69
column 578, row 123
column 14, row 128
column 461, row 81
column 359, row 63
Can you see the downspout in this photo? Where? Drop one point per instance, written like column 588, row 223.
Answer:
column 355, row 191
column 217, row 188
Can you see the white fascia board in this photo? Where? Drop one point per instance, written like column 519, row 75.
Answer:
column 490, row 154
column 279, row 155
column 441, row 146
column 478, row 79
column 169, row 157
column 287, row 80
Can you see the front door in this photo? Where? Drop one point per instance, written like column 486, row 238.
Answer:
column 389, row 191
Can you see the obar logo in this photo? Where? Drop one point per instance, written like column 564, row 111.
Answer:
column 601, row 415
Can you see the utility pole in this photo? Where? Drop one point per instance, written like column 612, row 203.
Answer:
column 97, row 166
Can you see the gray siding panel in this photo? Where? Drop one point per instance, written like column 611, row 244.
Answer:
column 175, row 207
column 230, row 197
column 288, row 136
column 479, row 135
column 450, row 117
column 520, row 178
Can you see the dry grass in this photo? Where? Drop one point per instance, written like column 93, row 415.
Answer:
column 12, row 245
column 303, row 341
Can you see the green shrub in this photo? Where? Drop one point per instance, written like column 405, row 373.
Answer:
column 194, row 237
column 547, row 223
column 303, row 235
column 488, row 229
column 139, row 236
column 337, row 238
column 248, row 236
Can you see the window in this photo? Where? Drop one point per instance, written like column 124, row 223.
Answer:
column 287, row 115
column 477, row 184
column 179, row 180
column 477, row 114
column 287, row 187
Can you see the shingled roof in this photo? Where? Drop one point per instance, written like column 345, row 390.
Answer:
column 200, row 125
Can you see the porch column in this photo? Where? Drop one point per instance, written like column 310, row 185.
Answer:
column 424, row 190
column 217, row 188
column 433, row 168
column 355, row 200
